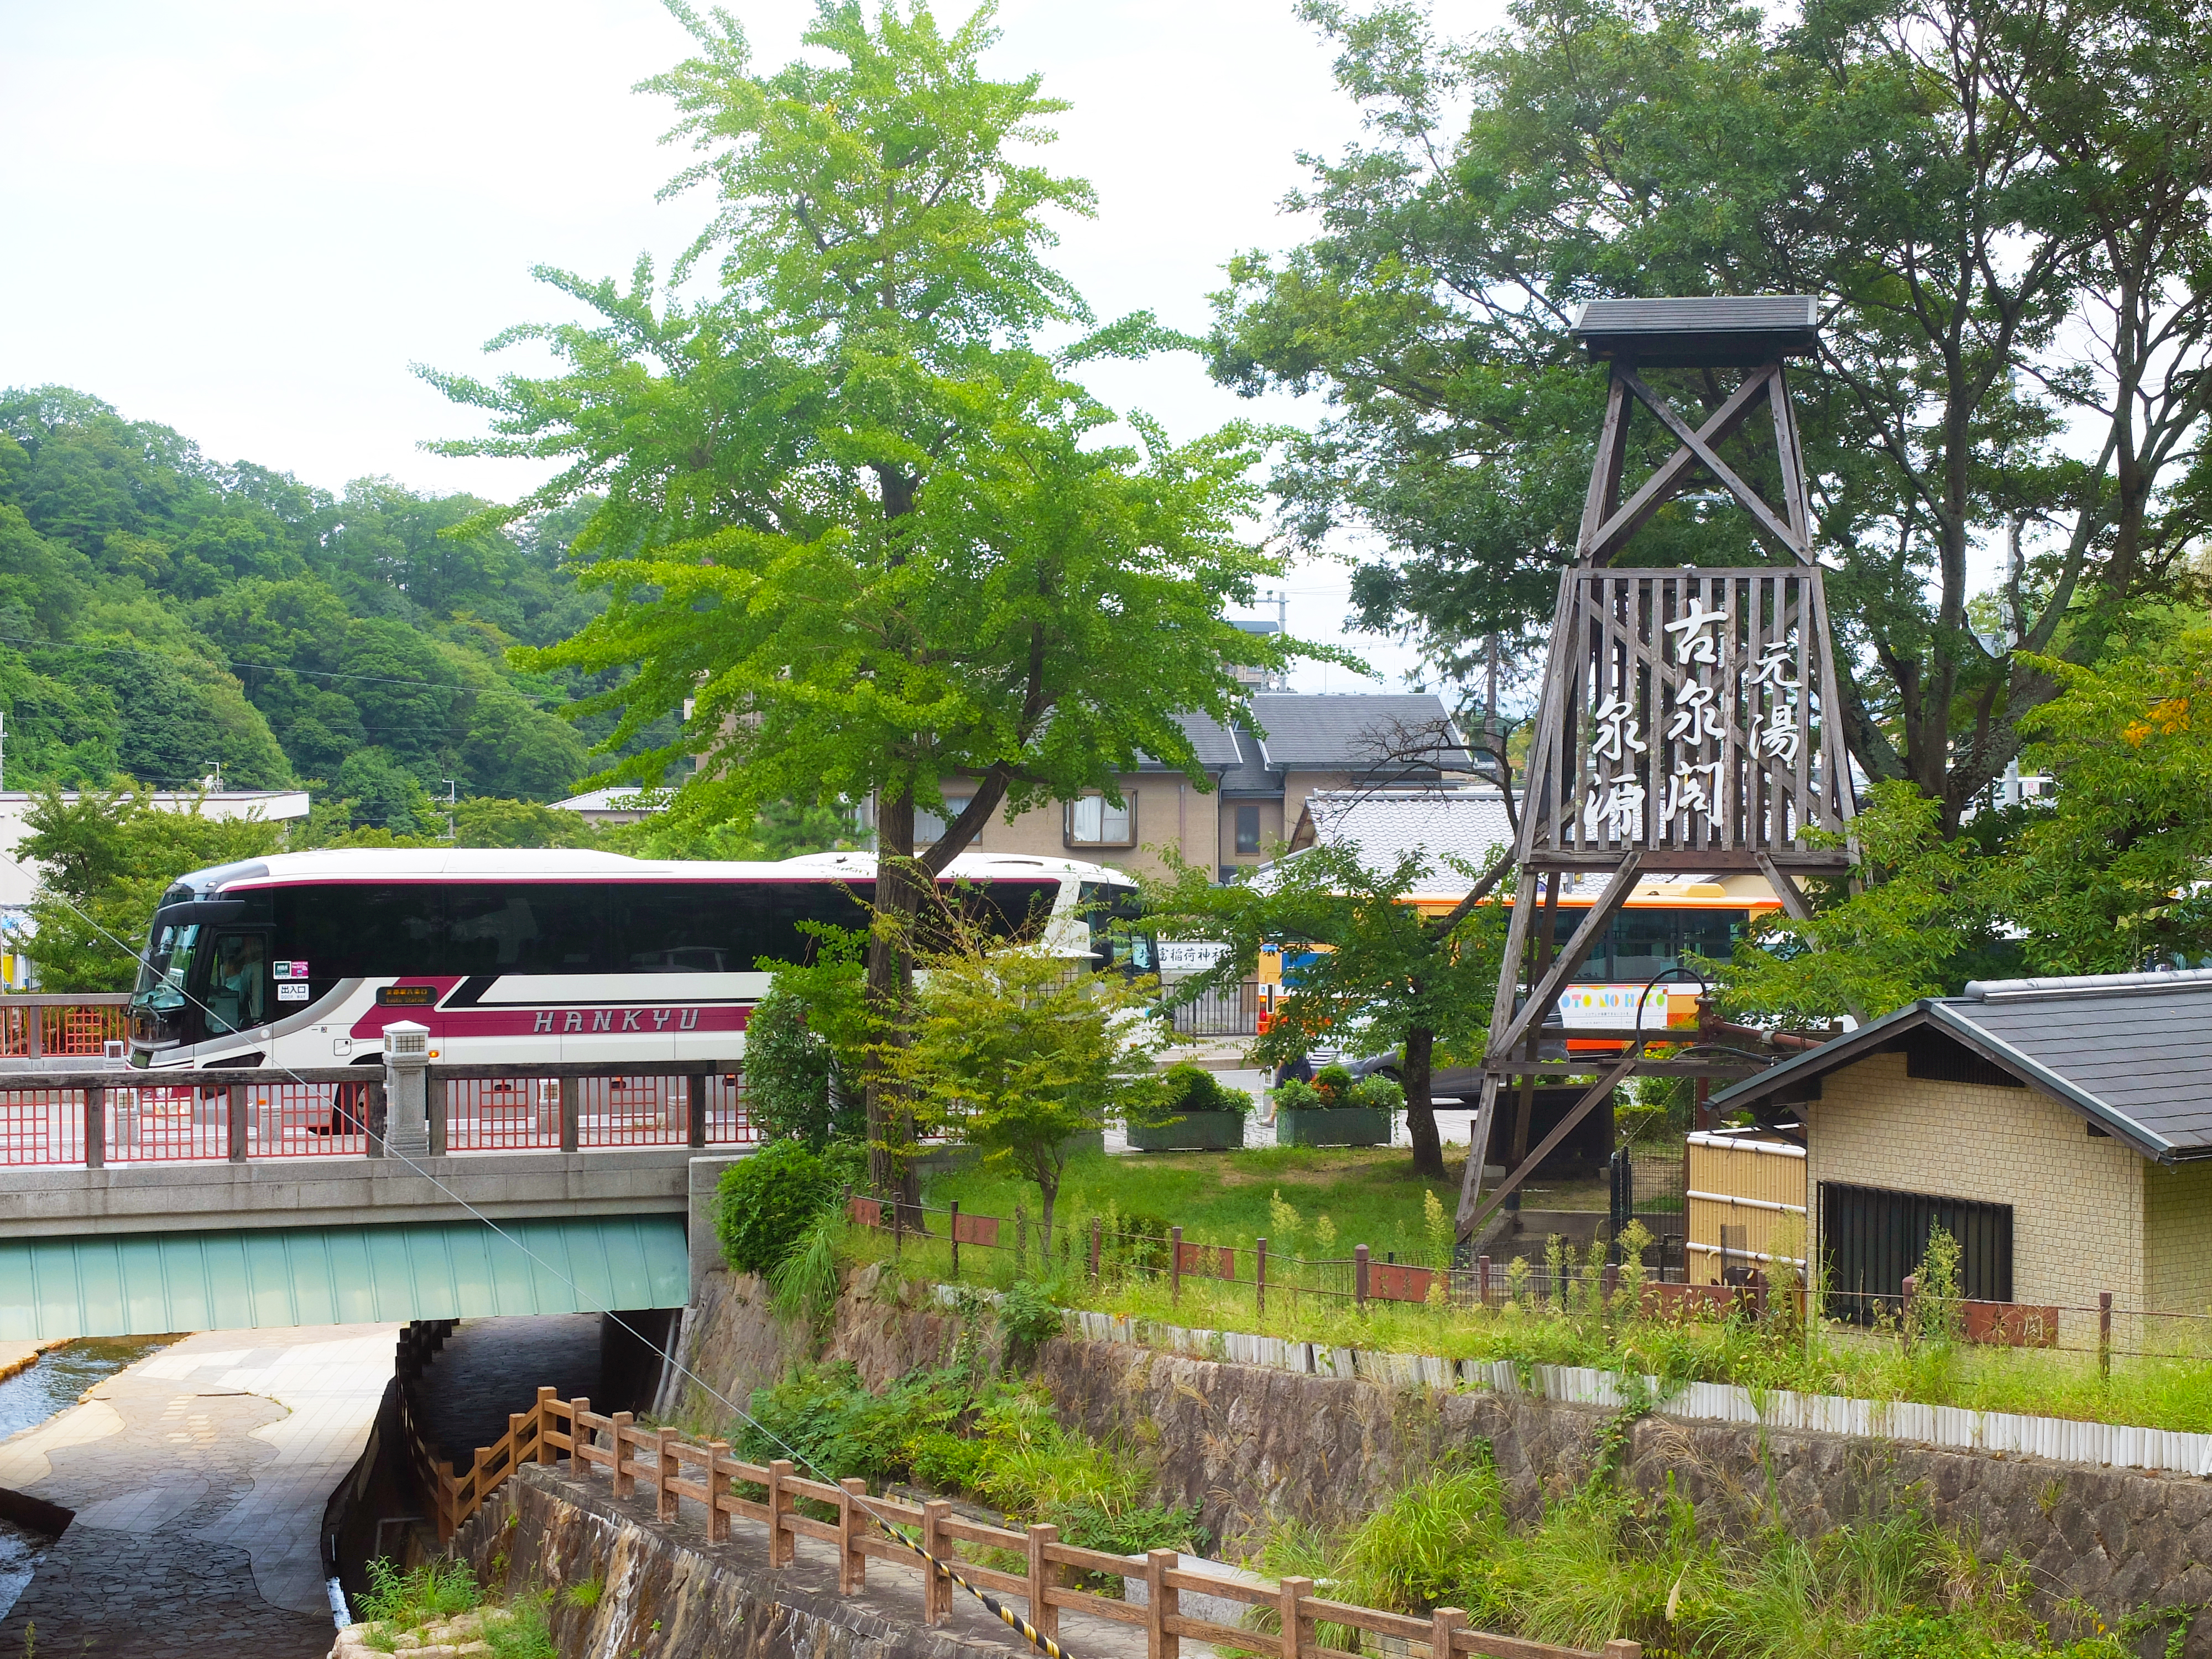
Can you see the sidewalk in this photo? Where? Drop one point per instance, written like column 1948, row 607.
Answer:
column 198, row 1478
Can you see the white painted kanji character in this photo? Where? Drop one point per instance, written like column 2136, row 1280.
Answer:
column 1773, row 664
column 1696, row 719
column 1691, row 790
column 1695, row 645
column 1617, row 732
column 1778, row 734
column 1621, row 812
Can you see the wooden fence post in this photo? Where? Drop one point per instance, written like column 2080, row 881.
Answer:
column 1021, row 1240
column 545, row 1400
column 1442, row 1625
column 1161, row 1602
column 1175, row 1269
column 936, row 1588
column 1042, row 1614
column 1482, row 1279
column 1289, row 1593
column 718, row 1518
column 1259, row 1279
column 665, row 1469
column 1094, row 1249
column 237, row 1122
column 1622, row 1648
column 95, row 1127
column 782, row 1543
column 2104, row 1334
column 625, row 1482
column 572, row 1114
column 1359, row 1277
column 953, row 1228
column 852, row 1526
column 579, row 1437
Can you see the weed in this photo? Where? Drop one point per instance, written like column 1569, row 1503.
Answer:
column 520, row 1630
column 436, row 1590
column 587, row 1594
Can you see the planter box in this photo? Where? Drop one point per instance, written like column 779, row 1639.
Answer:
column 1193, row 1132
column 1333, row 1126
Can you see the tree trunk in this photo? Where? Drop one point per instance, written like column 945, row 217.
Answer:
column 1420, row 1107
column 890, row 1122
column 1047, row 1180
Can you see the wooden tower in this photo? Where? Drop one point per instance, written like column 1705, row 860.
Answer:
column 1686, row 722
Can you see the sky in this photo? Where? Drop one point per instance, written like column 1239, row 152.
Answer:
column 246, row 219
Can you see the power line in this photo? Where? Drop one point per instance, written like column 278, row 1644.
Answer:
column 258, row 667
column 1044, row 1644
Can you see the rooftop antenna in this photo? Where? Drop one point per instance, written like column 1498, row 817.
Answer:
column 214, row 778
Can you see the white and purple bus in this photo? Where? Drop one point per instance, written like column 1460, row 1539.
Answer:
column 519, row 955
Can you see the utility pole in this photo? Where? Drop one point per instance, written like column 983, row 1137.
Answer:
column 453, row 800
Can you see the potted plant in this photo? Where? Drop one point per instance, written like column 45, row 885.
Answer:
column 1195, row 1114
column 1334, row 1111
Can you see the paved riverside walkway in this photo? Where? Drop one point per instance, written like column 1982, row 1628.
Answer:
column 198, row 1478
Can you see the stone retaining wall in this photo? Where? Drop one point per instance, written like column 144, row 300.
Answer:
column 1251, row 1446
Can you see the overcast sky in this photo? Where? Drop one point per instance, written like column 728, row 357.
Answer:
column 245, row 219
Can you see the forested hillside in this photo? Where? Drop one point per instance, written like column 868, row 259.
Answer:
column 161, row 612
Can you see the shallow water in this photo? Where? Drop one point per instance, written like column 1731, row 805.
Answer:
column 29, row 1398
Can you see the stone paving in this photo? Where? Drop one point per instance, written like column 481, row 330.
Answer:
column 198, row 1478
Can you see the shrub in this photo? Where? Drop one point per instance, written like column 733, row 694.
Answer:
column 795, row 1082
column 1296, row 1095
column 1029, row 1314
column 1334, row 1081
column 1377, row 1093
column 765, row 1204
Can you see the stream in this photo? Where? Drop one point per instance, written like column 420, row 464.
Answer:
column 27, row 1399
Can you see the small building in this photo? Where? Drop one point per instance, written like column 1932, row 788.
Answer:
column 620, row 804
column 2061, row 1129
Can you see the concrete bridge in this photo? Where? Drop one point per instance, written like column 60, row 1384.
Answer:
column 134, row 1203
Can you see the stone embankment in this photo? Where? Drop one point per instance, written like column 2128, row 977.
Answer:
column 1252, row 1447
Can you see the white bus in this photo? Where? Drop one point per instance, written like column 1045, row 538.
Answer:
column 303, row 958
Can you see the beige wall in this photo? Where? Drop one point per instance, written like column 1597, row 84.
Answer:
column 2177, row 1236
column 1171, row 812
column 2078, row 1203
column 1273, row 830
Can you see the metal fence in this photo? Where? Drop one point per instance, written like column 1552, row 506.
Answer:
column 35, row 1027
column 117, row 1117
column 1229, row 1011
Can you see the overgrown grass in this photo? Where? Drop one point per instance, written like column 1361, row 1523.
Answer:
column 1831, row 1358
column 1602, row 1565
column 1370, row 1195
column 955, row 1431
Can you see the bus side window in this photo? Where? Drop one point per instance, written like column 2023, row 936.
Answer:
column 238, row 983
column 518, row 927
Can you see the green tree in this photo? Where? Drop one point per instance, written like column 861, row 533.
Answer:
column 1996, row 206
column 490, row 821
column 851, row 519
column 807, row 1041
column 1015, row 1050
column 1376, row 968
column 104, row 862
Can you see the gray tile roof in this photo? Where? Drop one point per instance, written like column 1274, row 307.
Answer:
column 1215, row 743
column 1716, row 329
column 2130, row 1052
column 1400, row 733
column 1383, row 825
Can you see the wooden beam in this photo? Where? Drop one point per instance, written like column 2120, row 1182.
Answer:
column 1605, row 470
column 1668, row 479
column 1785, row 889
column 1546, row 991
column 1477, row 1154
column 1752, row 501
column 1602, row 1089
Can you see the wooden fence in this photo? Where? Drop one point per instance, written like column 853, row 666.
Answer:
column 676, row 1471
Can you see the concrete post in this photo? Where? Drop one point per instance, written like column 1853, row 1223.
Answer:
column 237, row 1124
column 696, row 1121
column 406, row 1082
column 95, row 1129
column 572, row 1113
column 438, row 1092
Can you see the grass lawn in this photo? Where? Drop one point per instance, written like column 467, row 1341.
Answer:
column 1369, row 1195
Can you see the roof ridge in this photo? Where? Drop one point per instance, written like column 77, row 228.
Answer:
column 2060, row 985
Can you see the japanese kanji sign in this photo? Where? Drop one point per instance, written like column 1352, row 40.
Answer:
column 1687, row 711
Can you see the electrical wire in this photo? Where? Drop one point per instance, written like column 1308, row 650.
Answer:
column 1043, row 1644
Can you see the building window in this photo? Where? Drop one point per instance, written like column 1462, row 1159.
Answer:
column 929, row 827
column 1248, row 829
column 1094, row 821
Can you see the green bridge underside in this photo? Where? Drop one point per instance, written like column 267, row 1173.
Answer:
column 147, row 1283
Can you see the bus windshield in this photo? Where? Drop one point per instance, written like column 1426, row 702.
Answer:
column 169, row 959
column 1112, row 914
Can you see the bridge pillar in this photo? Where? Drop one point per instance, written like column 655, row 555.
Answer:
column 406, row 1081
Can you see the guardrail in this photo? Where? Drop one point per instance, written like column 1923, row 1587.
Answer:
column 677, row 1471
column 122, row 1115
column 37, row 1025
